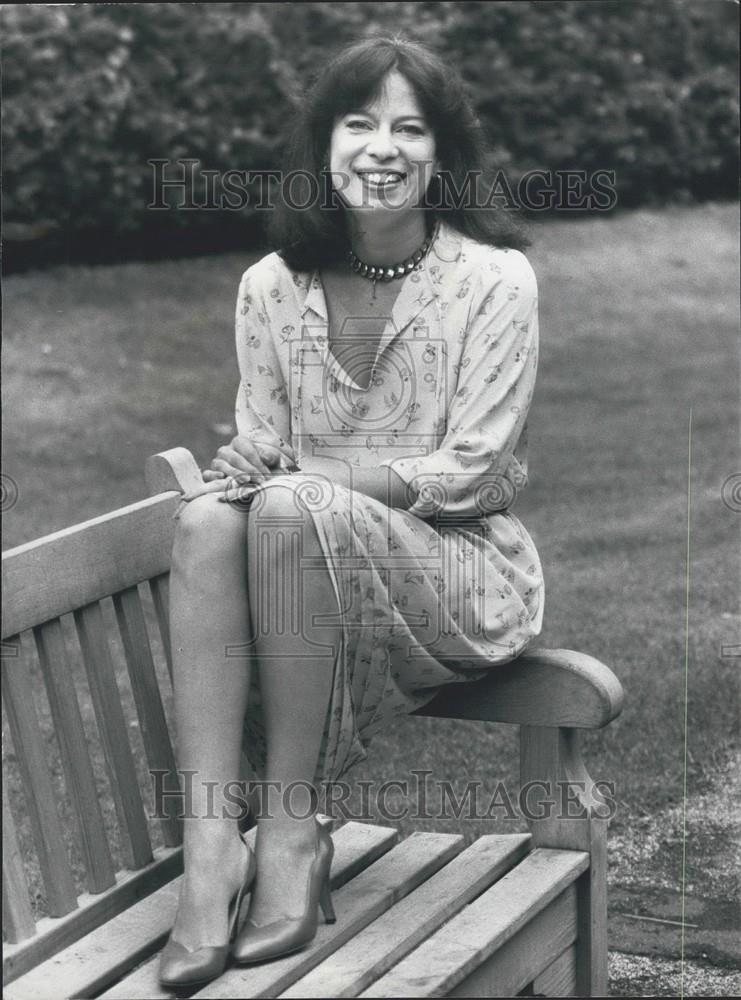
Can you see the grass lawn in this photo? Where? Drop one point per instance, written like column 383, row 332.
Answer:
column 639, row 320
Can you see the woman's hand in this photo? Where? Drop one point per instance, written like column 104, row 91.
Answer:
column 254, row 456
column 246, row 460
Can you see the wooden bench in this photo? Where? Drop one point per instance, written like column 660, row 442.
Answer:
column 425, row 916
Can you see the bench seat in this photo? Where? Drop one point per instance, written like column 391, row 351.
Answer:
column 424, row 916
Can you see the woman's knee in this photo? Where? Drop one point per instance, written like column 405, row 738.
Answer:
column 282, row 503
column 207, row 527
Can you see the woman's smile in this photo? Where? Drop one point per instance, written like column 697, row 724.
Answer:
column 381, row 180
column 379, row 177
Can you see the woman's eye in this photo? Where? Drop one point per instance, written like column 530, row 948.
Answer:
column 413, row 129
column 357, row 123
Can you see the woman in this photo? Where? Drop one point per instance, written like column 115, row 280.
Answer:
column 351, row 550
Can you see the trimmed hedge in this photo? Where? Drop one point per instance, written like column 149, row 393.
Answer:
column 94, row 91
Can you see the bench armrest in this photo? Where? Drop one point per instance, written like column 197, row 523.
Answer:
column 543, row 687
column 174, row 469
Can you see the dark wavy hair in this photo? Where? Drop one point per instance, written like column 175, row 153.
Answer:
column 307, row 237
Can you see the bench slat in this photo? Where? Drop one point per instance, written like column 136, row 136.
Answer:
column 393, row 935
column 97, row 557
column 457, row 949
column 357, row 904
column 106, row 696
column 42, row 810
column 356, row 847
column 159, row 587
column 18, row 922
column 78, row 770
column 153, row 723
column 55, row 934
column 107, row 953
column 510, row 968
column 117, row 938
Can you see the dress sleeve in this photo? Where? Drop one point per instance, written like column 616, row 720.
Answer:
column 480, row 465
column 262, row 398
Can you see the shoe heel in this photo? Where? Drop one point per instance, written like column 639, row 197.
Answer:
column 243, row 891
column 234, row 914
column 325, row 901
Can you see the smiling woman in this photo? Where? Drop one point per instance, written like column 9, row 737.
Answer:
column 387, row 352
column 434, row 125
column 384, row 157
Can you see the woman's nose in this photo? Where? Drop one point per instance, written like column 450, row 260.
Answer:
column 381, row 144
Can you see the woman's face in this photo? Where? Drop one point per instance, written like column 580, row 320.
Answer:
column 382, row 157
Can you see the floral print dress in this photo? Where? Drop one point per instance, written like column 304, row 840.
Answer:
column 448, row 590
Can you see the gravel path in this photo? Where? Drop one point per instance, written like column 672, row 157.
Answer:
column 660, row 881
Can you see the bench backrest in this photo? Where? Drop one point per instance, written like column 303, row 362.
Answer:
column 86, row 609
column 86, row 688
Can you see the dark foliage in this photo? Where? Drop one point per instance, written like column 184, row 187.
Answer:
column 94, row 91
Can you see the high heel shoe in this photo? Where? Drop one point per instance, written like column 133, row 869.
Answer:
column 179, row 966
column 282, row 937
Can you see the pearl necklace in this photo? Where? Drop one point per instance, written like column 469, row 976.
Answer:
column 376, row 273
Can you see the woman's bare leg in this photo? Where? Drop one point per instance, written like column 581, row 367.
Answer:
column 218, row 562
column 209, row 612
column 295, row 682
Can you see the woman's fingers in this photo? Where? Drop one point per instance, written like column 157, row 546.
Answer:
column 243, row 463
column 232, row 484
column 228, row 487
column 248, row 460
column 265, row 436
column 270, row 455
column 217, row 486
column 269, row 435
column 234, row 481
column 241, row 475
column 245, row 449
column 237, row 493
